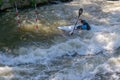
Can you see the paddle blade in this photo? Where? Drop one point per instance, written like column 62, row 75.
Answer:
column 71, row 33
column 80, row 11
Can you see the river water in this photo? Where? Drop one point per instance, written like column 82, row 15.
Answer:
column 50, row 54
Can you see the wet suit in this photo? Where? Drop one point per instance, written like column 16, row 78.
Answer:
column 84, row 26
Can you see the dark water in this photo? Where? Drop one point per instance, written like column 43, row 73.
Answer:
column 11, row 37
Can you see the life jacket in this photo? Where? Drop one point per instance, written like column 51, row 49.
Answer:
column 88, row 26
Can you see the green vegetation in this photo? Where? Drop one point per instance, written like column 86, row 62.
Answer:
column 32, row 2
column 1, row 2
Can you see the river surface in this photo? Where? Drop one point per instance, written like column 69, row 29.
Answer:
column 51, row 54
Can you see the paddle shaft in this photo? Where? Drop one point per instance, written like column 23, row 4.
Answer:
column 80, row 12
column 76, row 23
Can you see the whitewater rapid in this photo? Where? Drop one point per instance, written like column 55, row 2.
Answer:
column 89, row 56
column 86, row 55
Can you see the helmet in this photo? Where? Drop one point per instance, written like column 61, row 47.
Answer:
column 83, row 21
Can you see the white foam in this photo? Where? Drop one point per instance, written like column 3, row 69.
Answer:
column 102, row 71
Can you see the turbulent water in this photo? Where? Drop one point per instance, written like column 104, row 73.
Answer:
column 86, row 55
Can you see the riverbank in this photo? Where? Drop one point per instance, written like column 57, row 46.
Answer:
column 5, row 5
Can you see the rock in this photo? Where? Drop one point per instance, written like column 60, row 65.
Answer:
column 5, row 6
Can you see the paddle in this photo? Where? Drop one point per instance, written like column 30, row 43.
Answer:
column 79, row 14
